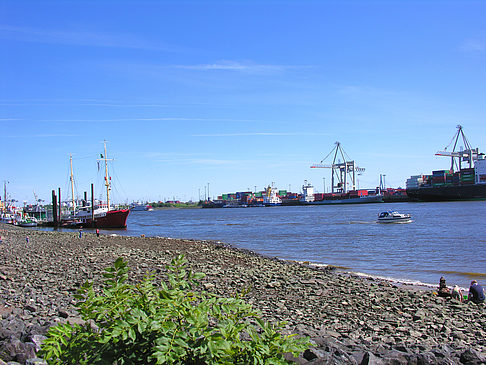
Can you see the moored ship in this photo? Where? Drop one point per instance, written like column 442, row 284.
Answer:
column 464, row 180
column 271, row 197
column 97, row 216
column 351, row 197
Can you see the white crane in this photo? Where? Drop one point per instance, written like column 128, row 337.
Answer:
column 340, row 170
column 467, row 154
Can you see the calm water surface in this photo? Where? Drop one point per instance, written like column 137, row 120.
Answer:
column 446, row 238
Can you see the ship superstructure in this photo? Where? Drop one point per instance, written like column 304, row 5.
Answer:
column 464, row 180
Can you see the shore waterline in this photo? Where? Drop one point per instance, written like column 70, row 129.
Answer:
column 444, row 239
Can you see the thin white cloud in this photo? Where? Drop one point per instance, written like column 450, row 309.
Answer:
column 474, row 45
column 87, row 102
column 161, row 119
column 55, row 135
column 80, row 38
column 44, row 136
column 248, row 67
column 277, row 134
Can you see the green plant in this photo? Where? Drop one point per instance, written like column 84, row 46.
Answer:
column 169, row 324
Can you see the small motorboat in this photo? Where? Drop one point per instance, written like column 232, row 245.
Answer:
column 393, row 217
column 27, row 222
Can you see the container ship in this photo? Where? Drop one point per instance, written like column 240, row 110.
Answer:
column 464, row 180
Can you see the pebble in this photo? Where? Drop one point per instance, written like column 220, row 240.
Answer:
column 351, row 320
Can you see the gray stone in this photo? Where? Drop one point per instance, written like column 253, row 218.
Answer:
column 395, row 357
column 370, row 359
column 426, row 358
column 31, row 308
column 63, row 313
column 472, row 357
column 36, row 361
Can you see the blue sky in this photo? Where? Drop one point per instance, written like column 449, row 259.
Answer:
column 236, row 94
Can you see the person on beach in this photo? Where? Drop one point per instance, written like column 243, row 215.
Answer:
column 97, row 232
column 81, row 232
column 457, row 293
column 444, row 291
column 27, row 239
column 476, row 293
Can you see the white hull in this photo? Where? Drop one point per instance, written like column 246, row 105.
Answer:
column 394, row 217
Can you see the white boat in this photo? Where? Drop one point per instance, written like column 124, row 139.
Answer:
column 307, row 193
column 27, row 222
column 271, row 198
column 7, row 218
column 24, row 220
column 390, row 216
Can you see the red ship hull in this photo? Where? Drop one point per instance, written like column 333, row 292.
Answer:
column 112, row 219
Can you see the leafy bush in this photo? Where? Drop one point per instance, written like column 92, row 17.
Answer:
column 169, row 324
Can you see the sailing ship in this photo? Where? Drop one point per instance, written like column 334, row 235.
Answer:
column 101, row 215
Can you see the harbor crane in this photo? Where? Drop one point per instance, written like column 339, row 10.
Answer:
column 468, row 155
column 341, row 171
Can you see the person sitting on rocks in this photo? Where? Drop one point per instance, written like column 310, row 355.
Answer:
column 476, row 293
column 444, row 291
column 456, row 293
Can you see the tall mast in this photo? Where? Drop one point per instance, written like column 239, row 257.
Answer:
column 72, row 183
column 107, row 181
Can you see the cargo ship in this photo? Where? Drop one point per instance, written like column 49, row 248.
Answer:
column 464, row 180
column 351, row 197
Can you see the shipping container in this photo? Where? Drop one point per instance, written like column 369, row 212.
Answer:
column 440, row 172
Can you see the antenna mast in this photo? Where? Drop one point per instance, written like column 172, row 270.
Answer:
column 72, row 183
column 107, row 177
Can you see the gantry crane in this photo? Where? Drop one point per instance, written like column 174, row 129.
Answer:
column 468, row 155
column 340, row 170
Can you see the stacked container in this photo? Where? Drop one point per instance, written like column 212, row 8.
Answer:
column 467, row 176
column 480, row 170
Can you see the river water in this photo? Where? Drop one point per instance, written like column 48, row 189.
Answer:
column 445, row 239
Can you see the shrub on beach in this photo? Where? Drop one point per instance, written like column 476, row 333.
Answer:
column 166, row 324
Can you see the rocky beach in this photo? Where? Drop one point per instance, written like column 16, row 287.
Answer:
column 350, row 319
